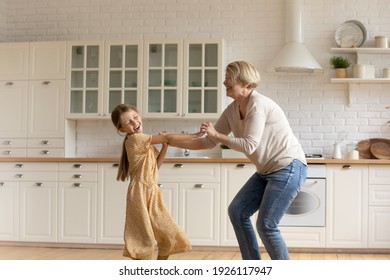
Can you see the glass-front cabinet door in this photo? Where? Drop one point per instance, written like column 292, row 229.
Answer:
column 162, row 96
column 203, row 78
column 85, row 79
column 123, row 61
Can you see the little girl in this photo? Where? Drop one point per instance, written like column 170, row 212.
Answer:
column 147, row 218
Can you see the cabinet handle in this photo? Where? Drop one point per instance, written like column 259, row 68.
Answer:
column 159, row 185
column 241, row 165
column 7, row 152
column 77, row 185
column 19, row 165
column 45, row 152
column 199, row 186
column 77, row 176
column 45, row 142
column 178, row 165
column 45, row 83
column 2, row 184
column 9, row 142
column 19, row 175
column 77, row 165
column 9, row 83
column 347, row 166
column 39, row 184
column 115, row 165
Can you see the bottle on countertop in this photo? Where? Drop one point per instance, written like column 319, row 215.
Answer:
column 337, row 151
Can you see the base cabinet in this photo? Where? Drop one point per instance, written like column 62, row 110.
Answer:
column 379, row 207
column 111, row 205
column 9, row 211
column 347, row 206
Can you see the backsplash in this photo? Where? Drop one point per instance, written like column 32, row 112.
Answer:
column 318, row 110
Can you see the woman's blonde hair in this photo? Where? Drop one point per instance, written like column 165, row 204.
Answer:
column 123, row 169
column 243, row 73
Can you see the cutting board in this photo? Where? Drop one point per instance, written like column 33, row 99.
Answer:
column 380, row 150
column 364, row 146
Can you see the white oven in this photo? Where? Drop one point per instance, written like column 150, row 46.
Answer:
column 308, row 208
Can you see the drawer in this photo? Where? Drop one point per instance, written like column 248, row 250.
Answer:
column 189, row 172
column 46, row 153
column 77, row 176
column 13, row 152
column 45, row 142
column 379, row 195
column 77, row 166
column 21, row 167
column 13, row 142
column 28, row 176
column 379, row 174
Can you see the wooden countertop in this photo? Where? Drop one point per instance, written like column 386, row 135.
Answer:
column 191, row 160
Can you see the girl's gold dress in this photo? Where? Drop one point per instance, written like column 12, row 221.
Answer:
column 147, row 219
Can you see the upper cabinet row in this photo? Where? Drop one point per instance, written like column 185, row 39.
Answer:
column 169, row 79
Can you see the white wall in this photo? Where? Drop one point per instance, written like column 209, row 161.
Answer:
column 253, row 31
column 3, row 19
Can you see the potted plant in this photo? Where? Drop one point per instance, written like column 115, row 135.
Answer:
column 340, row 64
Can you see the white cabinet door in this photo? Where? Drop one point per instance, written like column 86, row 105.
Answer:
column 347, row 206
column 47, row 60
column 199, row 211
column 13, row 109
column 85, row 79
column 123, row 77
column 14, row 61
column 170, row 193
column 38, row 211
column 77, row 212
column 46, row 109
column 9, row 211
column 111, row 204
column 234, row 176
column 379, row 206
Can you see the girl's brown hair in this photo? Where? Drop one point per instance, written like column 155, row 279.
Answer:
column 123, row 169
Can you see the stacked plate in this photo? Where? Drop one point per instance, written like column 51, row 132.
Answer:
column 350, row 34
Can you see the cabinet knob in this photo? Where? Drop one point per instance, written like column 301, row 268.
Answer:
column 8, row 142
column 77, row 185
column 9, row 83
column 178, row 165
column 19, row 165
column 77, row 176
column 7, row 152
column 45, row 152
column 45, row 142
column 45, row 83
column 241, row 165
column 77, row 165
column 115, row 165
column 19, row 175
column 2, row 184
column 159, row 185
column 39, row 184
column 199, row 186
column 347, row 166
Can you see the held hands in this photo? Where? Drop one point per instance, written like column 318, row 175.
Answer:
column 207, row 127
column 163, row 133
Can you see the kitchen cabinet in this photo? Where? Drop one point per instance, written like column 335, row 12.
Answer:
column 77, row 202
column 197, row 93
column 9, row 210
column 32, row 105
column 14, row 59
column 347, row 206
column 379, row 207
column 85, row 79
column 111, row 205
column 38, row 201
column 196, row 182
column 233, row 177
column 123, row 64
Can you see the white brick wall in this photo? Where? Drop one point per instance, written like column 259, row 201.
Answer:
column 3, row 19
column 253, row 30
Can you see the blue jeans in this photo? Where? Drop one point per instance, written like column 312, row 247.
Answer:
column 271, row 195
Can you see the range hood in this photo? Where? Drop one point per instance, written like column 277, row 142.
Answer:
column 294, row 57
